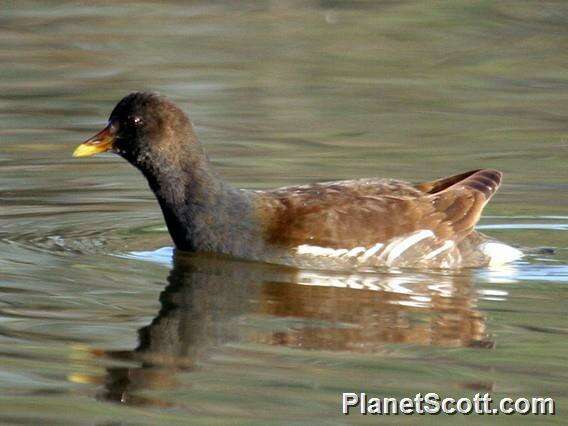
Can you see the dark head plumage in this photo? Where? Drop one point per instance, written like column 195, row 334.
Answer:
column 149, row 128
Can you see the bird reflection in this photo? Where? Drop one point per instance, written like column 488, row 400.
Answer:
column 211, row 302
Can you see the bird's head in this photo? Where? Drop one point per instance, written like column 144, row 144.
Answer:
column 143, row 128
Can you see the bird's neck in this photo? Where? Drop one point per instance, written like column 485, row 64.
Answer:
column 202, row 212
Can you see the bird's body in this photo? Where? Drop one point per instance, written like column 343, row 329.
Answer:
column 364, row 222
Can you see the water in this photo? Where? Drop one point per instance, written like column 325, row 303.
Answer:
column 98, row 324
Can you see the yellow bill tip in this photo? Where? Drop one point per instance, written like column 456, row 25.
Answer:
column 101, row 142
column 85, row 150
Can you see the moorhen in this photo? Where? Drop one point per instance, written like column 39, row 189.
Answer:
column 352, row 223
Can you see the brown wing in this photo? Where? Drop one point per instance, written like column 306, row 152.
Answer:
column 365, row 212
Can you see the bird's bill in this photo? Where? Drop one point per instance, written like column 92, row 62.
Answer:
column 101, row 142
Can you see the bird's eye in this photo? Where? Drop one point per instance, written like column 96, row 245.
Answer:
column 137, row 121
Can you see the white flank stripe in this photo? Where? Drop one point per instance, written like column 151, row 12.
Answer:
column 372, row 251
column 355, row 252
column 446, row 246
column 405, row 244
column 319, row 251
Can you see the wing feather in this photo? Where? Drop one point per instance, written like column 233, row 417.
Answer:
column 350, row 214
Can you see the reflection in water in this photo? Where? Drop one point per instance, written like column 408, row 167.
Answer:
column 210, row 302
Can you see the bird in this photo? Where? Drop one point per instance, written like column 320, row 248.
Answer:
column 360, row 223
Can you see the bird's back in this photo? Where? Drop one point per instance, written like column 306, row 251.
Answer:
column 380, row 221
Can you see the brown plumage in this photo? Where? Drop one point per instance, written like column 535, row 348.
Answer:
column 364, row 212
column 365, row 222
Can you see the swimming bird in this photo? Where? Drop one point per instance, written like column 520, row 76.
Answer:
column 352, row 223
